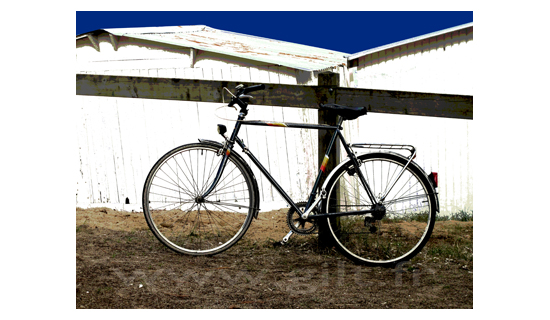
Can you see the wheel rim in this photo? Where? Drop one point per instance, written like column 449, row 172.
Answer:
column 184, row 221
column 401, row 232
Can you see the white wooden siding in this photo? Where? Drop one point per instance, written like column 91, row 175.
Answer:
column 442, row 64
column 119, row 139
column 442, row 145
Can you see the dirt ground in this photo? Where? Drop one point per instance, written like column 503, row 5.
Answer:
column 120, row 264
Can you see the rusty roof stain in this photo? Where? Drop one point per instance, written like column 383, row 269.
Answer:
column 269, row 51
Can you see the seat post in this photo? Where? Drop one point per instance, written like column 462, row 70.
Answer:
column 340, row 120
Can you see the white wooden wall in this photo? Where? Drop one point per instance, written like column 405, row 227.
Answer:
column 442, row 64
column 119, row 139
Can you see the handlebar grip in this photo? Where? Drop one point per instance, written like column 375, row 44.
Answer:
column 254, row 88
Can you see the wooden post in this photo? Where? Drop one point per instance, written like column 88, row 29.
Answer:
column 327, row 80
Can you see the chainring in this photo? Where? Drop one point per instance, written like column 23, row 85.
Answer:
column 299, row 225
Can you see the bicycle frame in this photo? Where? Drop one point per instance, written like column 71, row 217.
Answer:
column 314, row 197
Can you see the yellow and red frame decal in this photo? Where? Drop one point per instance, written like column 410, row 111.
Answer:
column 276, row 124
column 324, row 164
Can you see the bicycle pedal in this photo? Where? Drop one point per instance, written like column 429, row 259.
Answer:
column 277, row 244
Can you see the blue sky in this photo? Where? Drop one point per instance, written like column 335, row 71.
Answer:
column 344, row 31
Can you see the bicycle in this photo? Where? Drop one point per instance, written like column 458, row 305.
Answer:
column 379, row 207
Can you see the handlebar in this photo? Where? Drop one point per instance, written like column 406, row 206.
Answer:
column 241, row 92
column 254, row 88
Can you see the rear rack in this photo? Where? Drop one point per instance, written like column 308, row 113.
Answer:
column 410, row 148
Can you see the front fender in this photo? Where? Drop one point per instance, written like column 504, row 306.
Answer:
column 256, row 203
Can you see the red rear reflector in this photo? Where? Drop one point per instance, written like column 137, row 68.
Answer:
column 433, row 176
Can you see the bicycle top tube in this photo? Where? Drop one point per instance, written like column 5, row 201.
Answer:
column 290, row 125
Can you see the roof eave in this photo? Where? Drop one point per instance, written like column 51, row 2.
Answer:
column 116, row 32
column 410, row 40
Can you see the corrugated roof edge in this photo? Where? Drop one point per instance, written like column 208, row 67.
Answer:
column 282, row 41
column 329, row 67
column 291, row 65
column 400, row 43
column 202, row 28
column 120, row 32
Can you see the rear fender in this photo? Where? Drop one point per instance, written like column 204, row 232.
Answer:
column 412, row 163
column 433, row 190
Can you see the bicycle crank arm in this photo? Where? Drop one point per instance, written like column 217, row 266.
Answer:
column 339, row 214
column 285, row 239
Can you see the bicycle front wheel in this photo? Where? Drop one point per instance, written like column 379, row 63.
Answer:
column 400, row 233
column 180, row 218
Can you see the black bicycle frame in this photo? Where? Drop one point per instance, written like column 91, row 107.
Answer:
column 228, row 147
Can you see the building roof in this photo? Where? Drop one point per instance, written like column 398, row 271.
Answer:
column 270, row 51
column 400, row 43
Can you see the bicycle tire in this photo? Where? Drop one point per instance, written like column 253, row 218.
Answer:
column 183, row 222
column 410, row 210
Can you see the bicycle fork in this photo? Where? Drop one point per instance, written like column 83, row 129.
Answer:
column 228, row 146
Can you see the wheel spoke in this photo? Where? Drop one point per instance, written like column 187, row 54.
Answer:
column 392, row 235
column 226, row 204
column 175, row 214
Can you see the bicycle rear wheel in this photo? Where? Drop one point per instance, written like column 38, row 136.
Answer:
column 177, row 215
column 405, row 227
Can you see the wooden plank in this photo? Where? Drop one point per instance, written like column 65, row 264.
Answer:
column 280, row 172
column 384, row 101
column 113, row 159
column 84, row 180
column 309, row 148
column 258, row 139
column 194, row 90
column 124, row 148
column 411, row 103
column 294, row 165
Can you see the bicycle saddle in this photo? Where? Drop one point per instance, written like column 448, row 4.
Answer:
column 348, row 113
